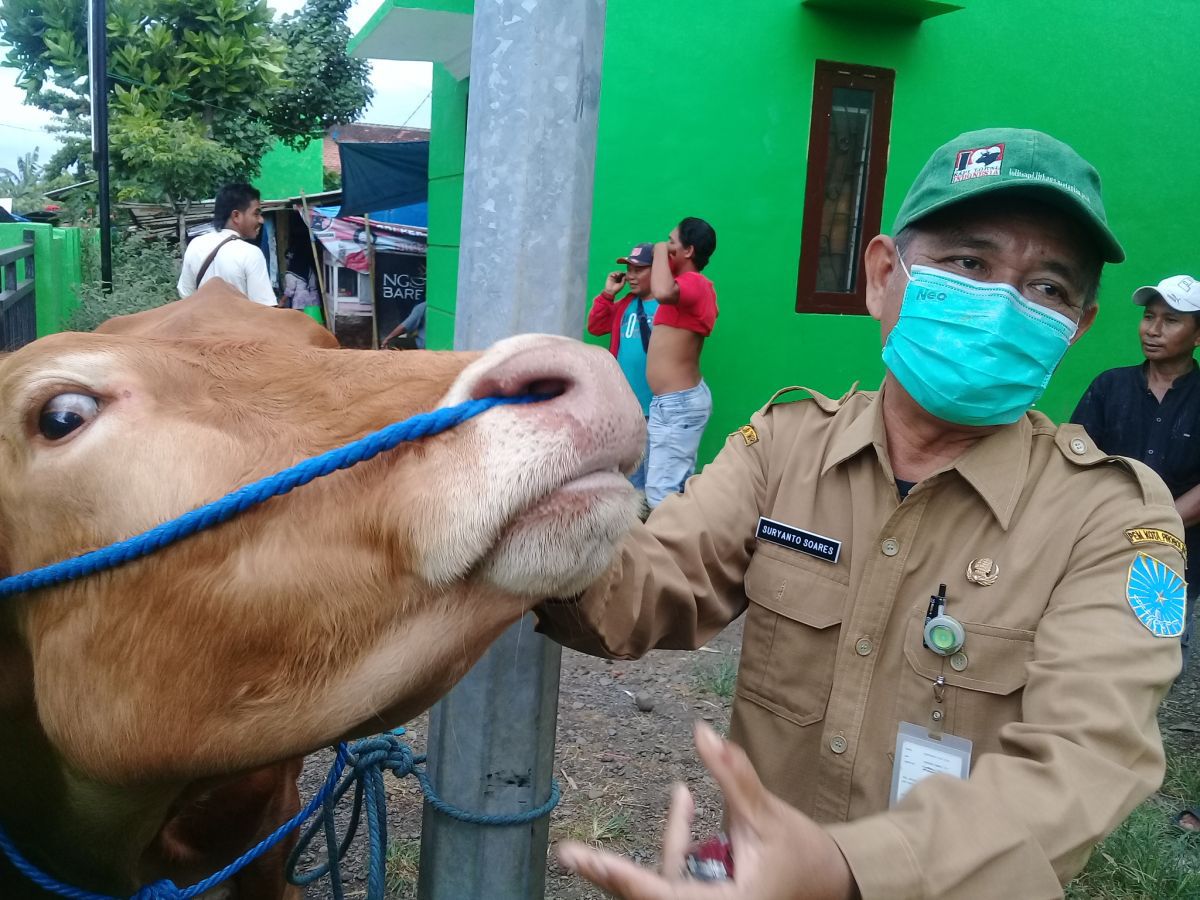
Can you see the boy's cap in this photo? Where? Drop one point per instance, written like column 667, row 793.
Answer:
column 996, row 159
column 641, row 255
column 1180, row 292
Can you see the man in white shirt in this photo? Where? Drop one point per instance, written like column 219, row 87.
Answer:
column 227, row 252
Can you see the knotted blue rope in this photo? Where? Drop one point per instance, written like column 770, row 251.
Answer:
column 419, row 426
column 367, row 761
column 414, row 428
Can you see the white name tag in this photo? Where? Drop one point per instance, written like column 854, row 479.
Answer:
column 918, row 756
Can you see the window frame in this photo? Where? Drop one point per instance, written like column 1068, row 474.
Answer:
column 881, row 82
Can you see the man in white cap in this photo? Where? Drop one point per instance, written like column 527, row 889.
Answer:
column 1151, row 412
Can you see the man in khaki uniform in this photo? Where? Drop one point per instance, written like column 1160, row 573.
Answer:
column 833, row 523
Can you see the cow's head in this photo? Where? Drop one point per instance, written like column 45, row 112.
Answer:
column 347, row 606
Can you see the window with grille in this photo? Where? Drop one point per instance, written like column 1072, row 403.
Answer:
column 843, row 197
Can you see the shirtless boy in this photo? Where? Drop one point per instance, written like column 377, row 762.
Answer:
column 687, row 310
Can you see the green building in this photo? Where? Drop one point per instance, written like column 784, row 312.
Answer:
column 286, row 172
column 795, row 127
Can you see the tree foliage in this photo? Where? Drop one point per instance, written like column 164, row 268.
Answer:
column 24, row 183
column 322, row 83
column 200, row 89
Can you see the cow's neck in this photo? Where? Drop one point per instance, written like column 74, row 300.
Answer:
column 98, row 833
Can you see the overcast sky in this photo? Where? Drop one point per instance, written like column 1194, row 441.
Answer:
column 400, row 87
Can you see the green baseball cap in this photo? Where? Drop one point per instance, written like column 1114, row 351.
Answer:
column 1008, row 159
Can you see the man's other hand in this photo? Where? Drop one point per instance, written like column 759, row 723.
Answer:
column 778, row 852
column 613, row 283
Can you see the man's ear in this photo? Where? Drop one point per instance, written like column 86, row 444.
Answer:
column 880, row 261
column 1089, row 317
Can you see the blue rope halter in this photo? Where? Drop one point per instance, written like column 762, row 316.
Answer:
column 367, row 758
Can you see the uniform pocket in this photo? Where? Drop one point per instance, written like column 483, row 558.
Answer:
column 791, row 636
column 985, row 683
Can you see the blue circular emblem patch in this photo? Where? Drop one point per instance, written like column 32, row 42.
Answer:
column 1158, row 596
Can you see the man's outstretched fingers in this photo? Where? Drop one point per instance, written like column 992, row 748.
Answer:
column 619, row 877
column 677, row 835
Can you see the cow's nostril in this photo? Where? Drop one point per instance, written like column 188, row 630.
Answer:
column 546, row 388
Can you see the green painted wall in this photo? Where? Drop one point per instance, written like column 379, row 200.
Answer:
column 57, row 270
column 287, row 172
column 447, row 147
column 718, row 127
column 715, row 123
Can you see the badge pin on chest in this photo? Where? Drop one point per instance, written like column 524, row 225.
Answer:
column 983, row 571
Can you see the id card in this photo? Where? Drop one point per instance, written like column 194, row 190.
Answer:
column 918, row 756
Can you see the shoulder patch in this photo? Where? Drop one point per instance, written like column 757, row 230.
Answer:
column 749, row 434
column 1155, row 536
column 1157, row 595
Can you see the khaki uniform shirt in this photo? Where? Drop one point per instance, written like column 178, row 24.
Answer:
column 1058, row 685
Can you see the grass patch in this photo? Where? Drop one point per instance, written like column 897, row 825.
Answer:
column 1145, row 858
column 402, row 866
column 718, row 678
column 599, row 824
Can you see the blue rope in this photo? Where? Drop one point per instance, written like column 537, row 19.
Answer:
column 367, row 761
column 256, row 492
column 414, row 428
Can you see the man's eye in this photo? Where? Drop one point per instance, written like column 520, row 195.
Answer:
column 969, row 263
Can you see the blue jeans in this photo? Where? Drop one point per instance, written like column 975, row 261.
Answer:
column 675, row 427
column 638, row 478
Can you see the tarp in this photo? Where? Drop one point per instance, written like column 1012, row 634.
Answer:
column 378, row 176
column 346, row 237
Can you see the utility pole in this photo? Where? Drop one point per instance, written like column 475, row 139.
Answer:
column 527, row 208
column 98, row 75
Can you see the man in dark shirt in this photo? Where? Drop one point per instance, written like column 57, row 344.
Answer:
column 1151, row 412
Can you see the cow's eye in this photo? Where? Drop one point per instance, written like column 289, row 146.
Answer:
column 66, row 412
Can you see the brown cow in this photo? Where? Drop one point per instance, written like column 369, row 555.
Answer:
column 152, row 715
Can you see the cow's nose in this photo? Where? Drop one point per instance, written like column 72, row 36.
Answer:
column 583, row 385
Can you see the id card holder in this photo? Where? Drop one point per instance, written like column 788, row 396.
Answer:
column 918, row 755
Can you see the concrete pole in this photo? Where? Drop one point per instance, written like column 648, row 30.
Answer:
column 527, row 206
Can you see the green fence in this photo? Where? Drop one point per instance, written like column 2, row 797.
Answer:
column 58, row 254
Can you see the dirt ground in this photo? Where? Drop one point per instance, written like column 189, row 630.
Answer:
column 616, row 763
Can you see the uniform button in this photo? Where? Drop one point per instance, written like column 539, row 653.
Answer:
column 1159, row 419
column 837, row 744
column 864, row 647
column 958, row 661
column 1078, row 446
column 1151, row 452
column 890, row 547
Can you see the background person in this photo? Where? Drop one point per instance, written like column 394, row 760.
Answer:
column 300, row 282
column 1151, row 412
column 229, row 252
column 936, row 579
column 629, row 322
column 687, row 312
column 412, row 328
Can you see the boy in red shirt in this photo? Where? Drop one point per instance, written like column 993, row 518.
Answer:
column 687, row 311
column 629, row 320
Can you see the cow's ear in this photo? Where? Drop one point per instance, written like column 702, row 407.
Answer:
column 221, row 312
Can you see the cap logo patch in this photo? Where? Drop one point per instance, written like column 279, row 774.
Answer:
column 978, row 162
